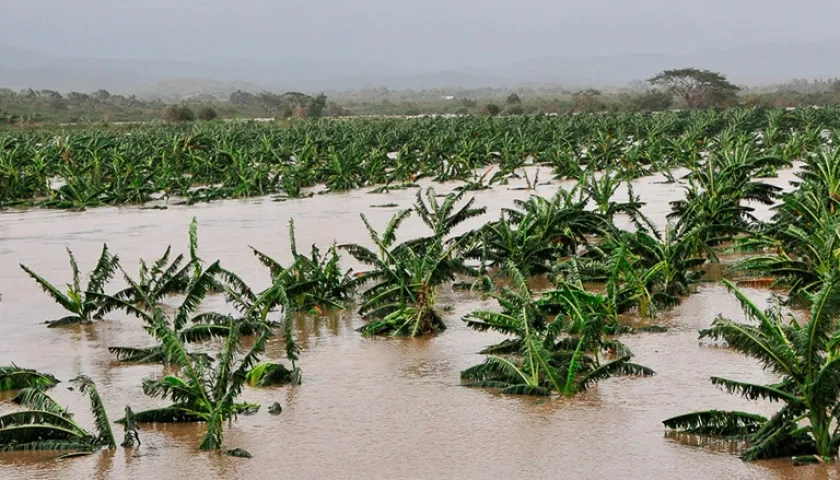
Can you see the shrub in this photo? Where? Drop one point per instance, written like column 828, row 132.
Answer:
column 179, row 113
column 317, row 106
column 515, row 110
column 651, row 100
column 207, row 113
column 491, row 109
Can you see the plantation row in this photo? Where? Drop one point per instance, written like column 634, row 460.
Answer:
column 85, row 168
column 560, row 341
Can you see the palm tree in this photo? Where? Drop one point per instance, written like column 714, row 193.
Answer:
column 15, row 378
column 48, row 426
column 80, row 302
column 806, row 359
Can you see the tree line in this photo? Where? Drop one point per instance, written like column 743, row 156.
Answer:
column 38, row 106
column 677, row 88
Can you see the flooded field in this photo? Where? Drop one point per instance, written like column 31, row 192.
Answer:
column 368, row 408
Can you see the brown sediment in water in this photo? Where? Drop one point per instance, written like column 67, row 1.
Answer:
column 368, row 408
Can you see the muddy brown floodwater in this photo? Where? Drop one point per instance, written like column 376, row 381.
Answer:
column 368, row 408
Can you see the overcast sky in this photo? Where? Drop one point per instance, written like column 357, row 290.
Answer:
column 420, row 33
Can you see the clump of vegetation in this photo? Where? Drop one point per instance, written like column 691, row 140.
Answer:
column 541, row 359
column 491, row 109
column 47, row 426
column 405, row 275
column 81, row 302
column 805, row 357
column 13, row 377
column 515, row 109
column 207, row 113
column 205, row 390
column 312, row 283
column 179, row 113
column 698, row 88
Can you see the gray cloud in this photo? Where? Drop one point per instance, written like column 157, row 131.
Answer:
column 423, row 34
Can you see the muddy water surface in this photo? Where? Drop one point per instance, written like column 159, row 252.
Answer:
column 368, row 408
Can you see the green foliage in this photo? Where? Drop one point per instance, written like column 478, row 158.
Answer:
column 205, row 161
column 13, row 377
column 491, row 109
column 651, row 101
column 205, row 390
column 799, row 246
column 561, row 355
column 699, row 88
column 313, row 282
column 46, row 426
column 83, row 303
column 405, row 276
column 717, row 191
column 561, row 341
column 538, row 232
column 272, row 373
column 805, row 358
column 644, row 270
column 515, row 109
column 317, row 106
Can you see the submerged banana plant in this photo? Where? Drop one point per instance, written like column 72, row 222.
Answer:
column 83, row 303
column 541, row 359
column 13, row 377
column 46, row 426
column 804, row 357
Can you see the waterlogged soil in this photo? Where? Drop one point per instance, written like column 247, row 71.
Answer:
column 368, row 408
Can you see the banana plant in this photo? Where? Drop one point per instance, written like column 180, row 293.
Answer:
column 207, row 390
column 538, row 361
column 47, row 426
column 83, row 304
column 13, row 377
column 804, row 357
column 312, row 283
column 275, row 373
column 402, row 300
column 184, row 322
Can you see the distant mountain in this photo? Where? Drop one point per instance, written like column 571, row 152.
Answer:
column 24, row 69
column 749, row 65
column 185, row 88
column 757, row 64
